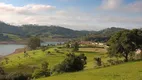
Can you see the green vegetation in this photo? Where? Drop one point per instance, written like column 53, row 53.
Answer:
column 76, row 46
column 54, row 32
column 127, row 71
column 42, row 72
column 34, row 43
column 78, row 60
column 71, row 63
column 102, row 35
column 12, row 36
column 124, row 43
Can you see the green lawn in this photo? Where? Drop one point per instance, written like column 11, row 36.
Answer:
column 127, row 71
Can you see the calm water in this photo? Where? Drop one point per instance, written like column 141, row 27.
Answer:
column 54, row 43
column 6, row 49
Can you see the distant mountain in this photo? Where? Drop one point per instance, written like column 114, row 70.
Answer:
column 26, row 31
column 109, row 31
column 54, row 31
column 10, row 29
column 44, row 31
column 102, row 35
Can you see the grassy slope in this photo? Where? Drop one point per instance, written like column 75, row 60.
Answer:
column 35, row 60
column 12, row 36
column 40, row 56
column 127, row 71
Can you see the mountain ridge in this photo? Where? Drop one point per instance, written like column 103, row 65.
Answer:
column 27, row 30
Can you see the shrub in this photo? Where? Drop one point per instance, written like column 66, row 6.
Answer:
column 2, row 77
column 18, row 76
column 115, row 62
column 98, row 61
column 1, row 71
column 43, row 48
column 42, row 72
column 71, row 63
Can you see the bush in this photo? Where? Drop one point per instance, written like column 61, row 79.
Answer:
column 98, row 61
column 71, row 63
column 115, row 62
column 2, row 77
column 44, row 48
column 18, row 76
column 42, row 72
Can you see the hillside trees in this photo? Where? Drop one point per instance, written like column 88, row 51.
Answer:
column 124, row 42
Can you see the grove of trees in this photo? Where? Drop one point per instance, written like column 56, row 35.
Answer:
column 124, row 43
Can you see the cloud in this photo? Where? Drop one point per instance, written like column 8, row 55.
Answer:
column 111, row 4
column 134, row 7
column 70, row 18
column 120, row 6
column 27, row 9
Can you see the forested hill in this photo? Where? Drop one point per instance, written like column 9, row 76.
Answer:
column 7, row 28
column 52, row 31
column 102, row 35
column 25, row 31
column 44, row 31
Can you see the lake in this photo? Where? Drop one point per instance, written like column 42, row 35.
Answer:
column 53, row 43
column 6, row 49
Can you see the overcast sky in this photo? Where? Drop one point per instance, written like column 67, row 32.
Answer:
column 74, row 14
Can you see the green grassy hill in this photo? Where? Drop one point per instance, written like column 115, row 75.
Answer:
column 18, row 62
column 12, row 36
column 127, row 71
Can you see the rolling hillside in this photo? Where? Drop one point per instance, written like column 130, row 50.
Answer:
column 127, row 71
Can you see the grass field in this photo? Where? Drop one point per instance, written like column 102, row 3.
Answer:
column 11, row 36
column 127, row 71
column 36, row 59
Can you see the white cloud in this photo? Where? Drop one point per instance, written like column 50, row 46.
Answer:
column 27, row 9
column 120, row 6
column 74, row 19
column 111, row 4
column 134, row 7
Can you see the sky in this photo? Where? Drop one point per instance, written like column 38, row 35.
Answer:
column 73, row 14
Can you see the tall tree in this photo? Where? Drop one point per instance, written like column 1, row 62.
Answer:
column 34, row 42
column 76, row 46
column 122, row 44
column 137, row 37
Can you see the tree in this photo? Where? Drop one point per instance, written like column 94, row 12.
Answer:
column 76, row 46
column 34, row 42
column 67, row 45
column 137, row 38
column 122, row 44
column 43, row 71
column 71, row 63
